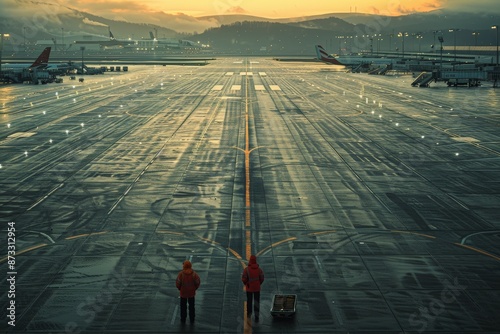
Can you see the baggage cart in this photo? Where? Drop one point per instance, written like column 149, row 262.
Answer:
column 284, row 306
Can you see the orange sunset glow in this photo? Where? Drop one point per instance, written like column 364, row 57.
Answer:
column 274, row 9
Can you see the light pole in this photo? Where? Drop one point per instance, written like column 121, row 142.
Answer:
column 62, row 39
column 379, row 38
column 434, row 41
column 1, row 47
column 419, row 36
column 403, row 34
column 496, row 28
column 341, row 41
column 455, row 41
column 475, row 34
column 82, row 48
column 441, row 40
column 24, row 38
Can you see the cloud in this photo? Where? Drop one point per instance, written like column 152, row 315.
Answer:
column 403, row 7
column 93, row 23
column 236, row 10
column 25, row 8
column 179, row 22
column 400, row 7
column 103, row 8
column 138, row 12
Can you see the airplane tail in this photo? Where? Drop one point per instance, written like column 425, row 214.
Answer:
column 151, row 35
column 43, row 58
column 325, row 57
column 111, row 36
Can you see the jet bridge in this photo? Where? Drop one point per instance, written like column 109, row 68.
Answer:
column 463, row 78
column 424, row 79
column 380, row 70
column 452, row 78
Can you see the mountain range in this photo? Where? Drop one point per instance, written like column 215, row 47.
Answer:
column 251, row 34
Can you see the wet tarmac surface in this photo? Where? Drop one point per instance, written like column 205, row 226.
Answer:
column 374, row 202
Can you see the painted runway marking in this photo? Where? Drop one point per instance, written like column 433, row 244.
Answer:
column 479, row 251
column 274, row 87
column 21, row 135
column 230, row 98
column 236, row 87
column 218, row 87
column 174, row 315
column 46, row 196
column 247, row 321
column 276, row 244
column 2, row 260
column 260, row 87
column 465, row 139
column 262, row 74
column 229, row 73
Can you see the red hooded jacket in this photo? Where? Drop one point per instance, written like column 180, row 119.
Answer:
column 252, row 276
column 187, row 281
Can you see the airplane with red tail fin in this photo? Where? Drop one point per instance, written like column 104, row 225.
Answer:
column 41, row 62
column 325, row 57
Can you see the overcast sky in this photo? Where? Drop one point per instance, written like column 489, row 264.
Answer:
column 278, row 8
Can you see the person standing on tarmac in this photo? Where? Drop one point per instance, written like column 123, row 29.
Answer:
column 253, row 277
column 187, row 282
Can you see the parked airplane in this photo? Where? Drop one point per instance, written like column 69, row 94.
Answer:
column 351, row 60
column 41, row 62
column 112, row 41
column 417, row 61
column 325, row 57
column 60, row 68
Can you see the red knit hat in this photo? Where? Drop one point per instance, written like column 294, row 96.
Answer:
column 253, row 259
column 186, row 264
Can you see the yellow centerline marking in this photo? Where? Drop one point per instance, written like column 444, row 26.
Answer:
column 322, row 232
column 31, row 248
column 85, row 235
column 248, row 216
column 169, row 232
column 210, row 241
column 235, row 253
column 479, row 251
column 420, row 234
column 248, row 243
column 77, row 236
column 247, row 323
column 275, row 245
column 3, row 259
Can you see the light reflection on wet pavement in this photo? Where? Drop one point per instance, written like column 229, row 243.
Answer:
column 374, row 202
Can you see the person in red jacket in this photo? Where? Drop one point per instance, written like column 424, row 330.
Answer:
column 187, row 282
column 253, row 277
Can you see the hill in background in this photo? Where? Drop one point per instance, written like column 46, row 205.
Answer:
column 243, row 34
